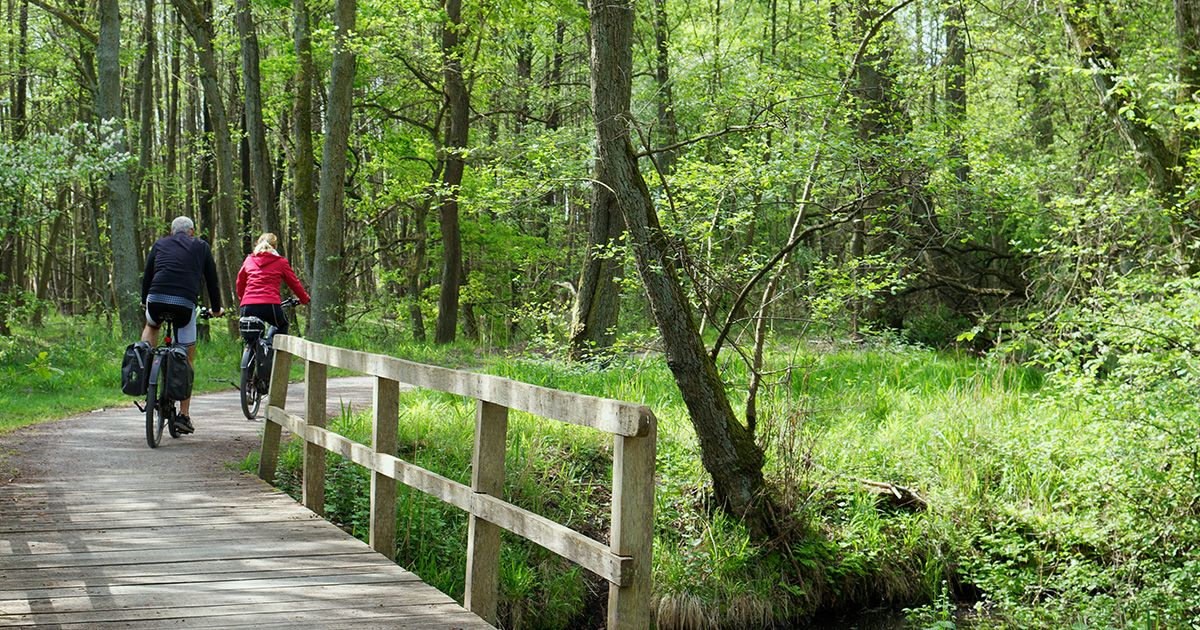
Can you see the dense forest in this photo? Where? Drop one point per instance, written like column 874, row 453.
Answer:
column 944, row 249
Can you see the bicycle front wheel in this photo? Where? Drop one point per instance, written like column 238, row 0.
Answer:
column 154, row 418
column 251, row 395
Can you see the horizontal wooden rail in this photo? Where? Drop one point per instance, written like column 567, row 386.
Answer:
column 605, row 414
column 625, row 562
column 566, row 542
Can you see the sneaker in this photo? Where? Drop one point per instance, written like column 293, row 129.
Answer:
column 183, row 424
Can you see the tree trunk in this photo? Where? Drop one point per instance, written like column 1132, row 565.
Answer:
column 664, row 101
column 728, row 450
column 331, row 211
column 416, row 268
column 458, row 105
column 225, row 242
column 48, row 258
column 597, row 304
column 145, row 110
column 21, row 96
column 260, row 159
column 306, row 202
column 10, row 288
column 122, row 207
column 956, row 91
column 173, row 114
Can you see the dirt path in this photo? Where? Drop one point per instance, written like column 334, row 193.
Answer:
column 113, row 440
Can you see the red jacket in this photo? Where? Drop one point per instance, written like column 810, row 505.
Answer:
column 258, row 280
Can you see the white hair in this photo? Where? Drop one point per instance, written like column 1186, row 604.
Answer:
column 181, row 225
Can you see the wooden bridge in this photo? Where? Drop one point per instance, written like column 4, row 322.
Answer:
column 99, row 531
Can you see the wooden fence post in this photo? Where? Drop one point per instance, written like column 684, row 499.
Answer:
column 314, row 454
column 269, row 455
column 483, row 538
column 632, row 532
column 383, row 488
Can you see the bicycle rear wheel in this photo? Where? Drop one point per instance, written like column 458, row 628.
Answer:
column 154, row 417
column 250, row 393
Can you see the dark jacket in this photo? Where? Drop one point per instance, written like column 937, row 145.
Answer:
column 174, row 267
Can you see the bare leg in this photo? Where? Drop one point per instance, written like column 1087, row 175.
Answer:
column 150, row 334
column 186, row 405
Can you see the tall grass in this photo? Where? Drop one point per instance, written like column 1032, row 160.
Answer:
column 829, row 419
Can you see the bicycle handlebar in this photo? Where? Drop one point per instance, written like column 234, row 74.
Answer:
column 290, row 302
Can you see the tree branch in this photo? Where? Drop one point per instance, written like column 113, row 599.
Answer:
column 69, row 20
column 780, row 255
column 702, row 138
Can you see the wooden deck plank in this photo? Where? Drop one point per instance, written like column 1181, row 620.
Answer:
column 362, row 612
column 232, row 520
column 211, row 611
column 153, row 538
column 200, row 589
column 149, row 571
column 39, row 581
column 44, row 521
column 186, row 596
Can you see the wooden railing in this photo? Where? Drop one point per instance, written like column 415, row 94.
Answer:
column 625, row 562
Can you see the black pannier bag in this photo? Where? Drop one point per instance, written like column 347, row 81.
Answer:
column 265, row 355
column 179, row 374
column 135, row 369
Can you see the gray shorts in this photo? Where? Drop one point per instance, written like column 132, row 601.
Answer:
column 185, row 333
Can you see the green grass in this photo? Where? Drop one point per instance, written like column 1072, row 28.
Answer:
column 845, row 552
column 80, row 369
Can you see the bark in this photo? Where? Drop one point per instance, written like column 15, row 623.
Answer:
column 10, row 285
column 597, row 304
column 208, row 181
column 122, row 207
column 956, row 91
column 21, row 95
column 664, row 100
column 48, row 258
column 248, row 196
column 457, row 129
column 306, row 201
column 225, row 243
column 145, row 109
column 728, row 450
column 260, row 159
column 173, row 113
column 331, row 212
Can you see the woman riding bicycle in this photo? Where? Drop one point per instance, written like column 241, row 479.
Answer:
column 258, row 284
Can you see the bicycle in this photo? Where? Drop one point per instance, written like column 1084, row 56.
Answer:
column 257, row 360
column 160, row 410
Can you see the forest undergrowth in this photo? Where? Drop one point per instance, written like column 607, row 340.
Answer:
column 1057, row 495
column 1046, row 503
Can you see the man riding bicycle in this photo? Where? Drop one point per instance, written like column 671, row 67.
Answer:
column 170, row 286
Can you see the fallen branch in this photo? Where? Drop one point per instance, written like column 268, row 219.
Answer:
column 896, row 496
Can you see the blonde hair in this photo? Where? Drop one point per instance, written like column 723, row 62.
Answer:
column 266, row 243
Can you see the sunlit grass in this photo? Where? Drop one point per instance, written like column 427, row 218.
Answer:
column 80, row 370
